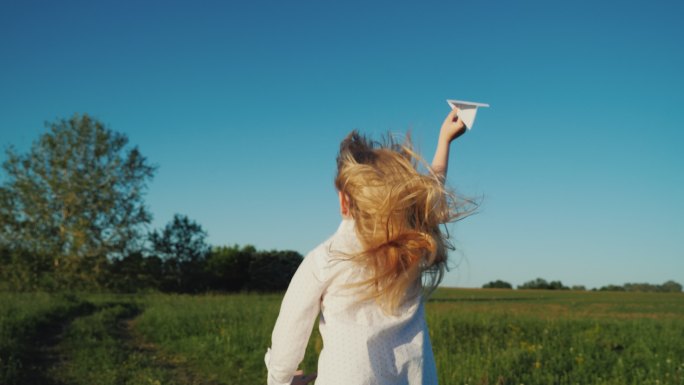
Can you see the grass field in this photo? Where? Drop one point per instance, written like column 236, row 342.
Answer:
column 479, row 337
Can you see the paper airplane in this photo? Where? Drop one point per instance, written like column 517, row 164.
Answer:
column 466, row 110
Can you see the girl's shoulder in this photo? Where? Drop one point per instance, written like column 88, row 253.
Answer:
column 338, row 248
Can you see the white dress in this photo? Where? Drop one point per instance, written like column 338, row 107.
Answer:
column 361, row 344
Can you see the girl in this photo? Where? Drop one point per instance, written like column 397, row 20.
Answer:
column 365, row 280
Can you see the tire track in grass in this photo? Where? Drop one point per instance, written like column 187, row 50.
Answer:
column 103, row 348
column 172, row 363
column 42, row 353
column 94, row 353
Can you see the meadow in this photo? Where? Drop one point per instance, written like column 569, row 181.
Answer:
column 479, row 337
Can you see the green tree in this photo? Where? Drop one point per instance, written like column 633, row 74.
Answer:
column 542, row 284
column 538, row 283
column 272, row 270
column 671, row 287
column 612, row 287
column 498, row 284
column 75, row 199
column 183, row 248
column 557, row 285
column 228, row 267
column 134, row 273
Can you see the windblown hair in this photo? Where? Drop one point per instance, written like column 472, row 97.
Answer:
column 398, row 212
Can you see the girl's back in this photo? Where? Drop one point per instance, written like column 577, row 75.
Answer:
column 362, row 344
column 366, row 281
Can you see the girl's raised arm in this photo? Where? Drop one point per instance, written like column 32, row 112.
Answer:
column 452, row 128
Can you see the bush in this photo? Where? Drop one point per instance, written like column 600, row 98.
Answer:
column 498, row 284
column 542, row 284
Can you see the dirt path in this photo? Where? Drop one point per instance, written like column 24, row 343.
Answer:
column 43, row 353
column 160, row 359
column 47, row 356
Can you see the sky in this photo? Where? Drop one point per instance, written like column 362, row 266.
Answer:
column 578, row 163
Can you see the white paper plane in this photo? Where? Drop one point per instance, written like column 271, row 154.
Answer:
column 466, row 110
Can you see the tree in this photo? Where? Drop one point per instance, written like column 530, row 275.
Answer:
column 612, row 287
column 75, row 199
column 542, row 284
column 234, row 268
column 498, row 284
column 183, row 248
column 671, row 287
column 272, row 270
column 640, row 287
column 134, row 273
column 557, row 285
column 228, row 267
column 538, row 283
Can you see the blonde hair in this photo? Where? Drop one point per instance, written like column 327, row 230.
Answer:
column 397, row 212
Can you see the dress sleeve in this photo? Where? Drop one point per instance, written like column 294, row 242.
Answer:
column 292, row 330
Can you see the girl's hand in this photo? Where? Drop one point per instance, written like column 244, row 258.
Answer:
column 301, row 379
column 452, row 128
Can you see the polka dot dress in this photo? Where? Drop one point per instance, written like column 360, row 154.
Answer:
column 361, row 344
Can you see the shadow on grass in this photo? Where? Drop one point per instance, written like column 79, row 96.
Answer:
column 42, row 351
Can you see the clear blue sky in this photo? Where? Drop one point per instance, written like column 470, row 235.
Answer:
column 242, row 105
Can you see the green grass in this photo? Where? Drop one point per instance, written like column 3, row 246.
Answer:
column 222, row 337
column 547, row 337
column 479, row 337
column 516, row 349
column 91, row 349
column 22, row 318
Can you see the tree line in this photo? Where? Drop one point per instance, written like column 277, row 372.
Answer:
column 181, row 261
column 73, row 216
column 542, row 284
